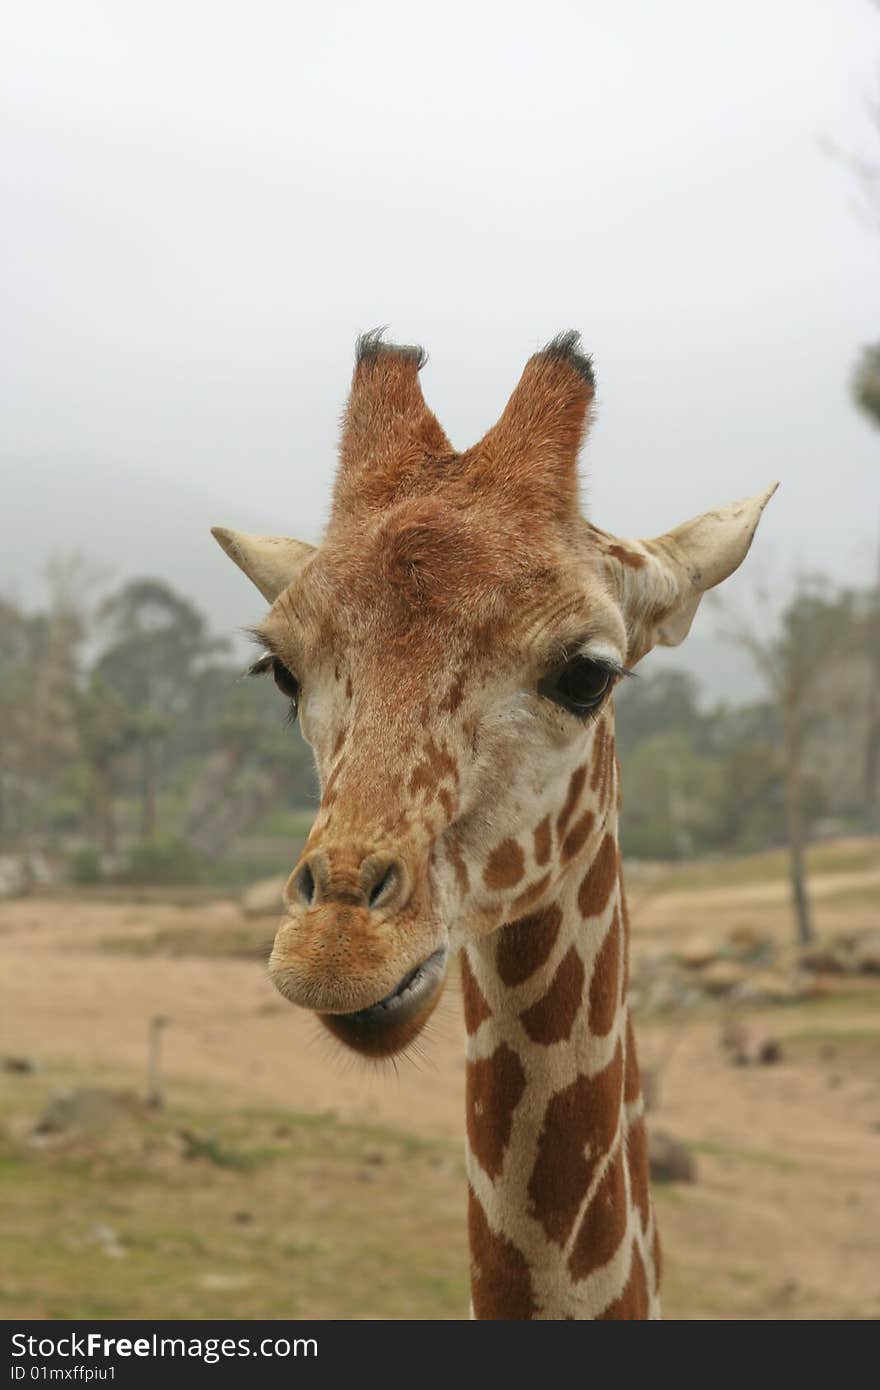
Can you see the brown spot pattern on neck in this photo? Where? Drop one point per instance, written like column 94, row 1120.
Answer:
column 476, row 1010
column 604, row 981
column 599, row 880
column 543, row 842
column 579, row 1126
column 493, row 1089
column 576, row 785
column 552, row 1017
column 524, row 945
column 505, row 865
column 501, row 1285
column 603, row 1224
column 633, row 1302
column 577, row 836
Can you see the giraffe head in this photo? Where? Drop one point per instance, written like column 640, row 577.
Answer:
column 450, row 647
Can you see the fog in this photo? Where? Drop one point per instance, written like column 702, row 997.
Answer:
column 203, row 204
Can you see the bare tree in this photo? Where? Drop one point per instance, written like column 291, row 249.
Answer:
column 39, row 665
column 796, row 665
column 866, row 394
column 158, row 641
column 865, row 389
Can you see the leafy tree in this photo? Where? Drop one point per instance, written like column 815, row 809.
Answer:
column 660, row 703
column 107, row 731
column 258, row 761
column 866, row 383
column 866, row 394
column 147, row 714
column 158, row 641
column 865, row 389
column 672, row 795
column 38, row 673
column 797, row 665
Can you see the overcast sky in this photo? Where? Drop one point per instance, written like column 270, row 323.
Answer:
column 204, row 203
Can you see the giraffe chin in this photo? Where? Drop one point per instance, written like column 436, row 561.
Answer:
column 391, row 1024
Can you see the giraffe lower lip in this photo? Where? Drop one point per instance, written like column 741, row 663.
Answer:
column 383, row 1027
column 412, row 989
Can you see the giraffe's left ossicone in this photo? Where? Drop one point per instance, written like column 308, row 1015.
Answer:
column 270, row 562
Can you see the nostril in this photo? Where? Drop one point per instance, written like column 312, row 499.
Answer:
column 384, row 887
column 304, row 885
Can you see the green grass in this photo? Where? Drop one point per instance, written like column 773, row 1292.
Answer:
column 286, row 825
column 850, row 996
column 249, row 941
column 856, row 895
column 743, row 1155
column 258, row 1213
column 836, row 1035
column 768, row 866
column 139, row 895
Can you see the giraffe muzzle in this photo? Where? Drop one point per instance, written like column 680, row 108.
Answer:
column 389, row 1025
column 361, row 945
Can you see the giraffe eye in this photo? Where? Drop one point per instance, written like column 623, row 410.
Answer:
column 580, row 686
column 286, row 681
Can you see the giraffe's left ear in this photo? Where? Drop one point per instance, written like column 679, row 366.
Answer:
column 659, row 583
column 270, row 562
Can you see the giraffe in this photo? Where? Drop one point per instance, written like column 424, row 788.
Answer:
column 451, row 649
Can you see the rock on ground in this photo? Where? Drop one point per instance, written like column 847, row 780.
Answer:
column 89, row 1108
column 670, row 1161
column 265, row 898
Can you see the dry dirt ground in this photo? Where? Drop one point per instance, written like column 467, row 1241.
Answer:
column 783, row 1220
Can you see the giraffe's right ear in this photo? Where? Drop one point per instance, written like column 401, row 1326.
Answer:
column 270, row 562
column 659, row 582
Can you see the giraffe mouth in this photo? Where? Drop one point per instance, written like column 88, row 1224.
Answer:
column 393, row 1022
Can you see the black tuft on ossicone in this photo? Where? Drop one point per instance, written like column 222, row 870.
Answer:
column 566, row 347
column 371, row 346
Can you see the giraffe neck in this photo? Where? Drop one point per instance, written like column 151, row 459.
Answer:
column 560, row 1217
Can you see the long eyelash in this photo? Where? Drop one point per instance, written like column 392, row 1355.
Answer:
column 260, row 638
column 569, row 650
column 262, row 666
column 614, row 667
